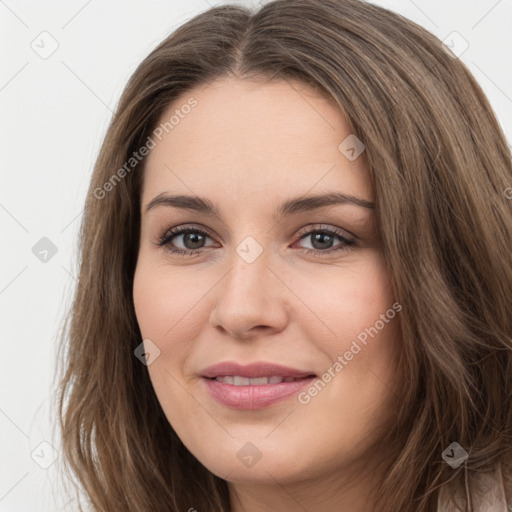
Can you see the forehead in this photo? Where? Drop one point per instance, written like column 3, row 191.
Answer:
column 272, row 139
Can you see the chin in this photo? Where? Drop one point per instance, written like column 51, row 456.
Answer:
column 261, row 460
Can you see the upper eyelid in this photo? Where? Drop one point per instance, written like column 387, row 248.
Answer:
column 186, row 227
column 323, row 227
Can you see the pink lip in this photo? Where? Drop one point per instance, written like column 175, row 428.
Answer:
column 257, row 396
column 253, row 370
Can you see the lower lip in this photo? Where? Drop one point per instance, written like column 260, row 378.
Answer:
column 254, row 397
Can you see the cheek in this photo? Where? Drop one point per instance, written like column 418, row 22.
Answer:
column 343, row 302
column 167, row 314
column 167, row 302
column 355, row 324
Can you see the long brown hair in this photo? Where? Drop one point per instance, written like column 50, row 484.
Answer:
column 440, row 168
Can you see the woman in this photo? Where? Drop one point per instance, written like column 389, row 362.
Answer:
column 219, row 356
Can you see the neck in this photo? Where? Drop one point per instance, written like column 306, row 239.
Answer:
column 352, row 490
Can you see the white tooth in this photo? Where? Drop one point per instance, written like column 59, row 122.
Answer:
column 241, row 381
column 258, row 381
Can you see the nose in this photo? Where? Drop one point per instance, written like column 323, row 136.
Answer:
column 251, row 300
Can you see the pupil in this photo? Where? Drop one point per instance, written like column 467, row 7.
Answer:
column 194, row 238
column 319, row 237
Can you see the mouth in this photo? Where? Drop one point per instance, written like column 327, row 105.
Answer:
column 238, row 380
column 254, row 386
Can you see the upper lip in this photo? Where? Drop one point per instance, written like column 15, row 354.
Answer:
column 253, row 370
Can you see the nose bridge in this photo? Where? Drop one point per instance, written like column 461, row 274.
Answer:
column 247, row 297
column 250, row 266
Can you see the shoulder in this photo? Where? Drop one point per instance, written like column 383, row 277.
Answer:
column 488, row 494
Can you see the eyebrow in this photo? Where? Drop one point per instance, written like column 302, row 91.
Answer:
column 292, row 206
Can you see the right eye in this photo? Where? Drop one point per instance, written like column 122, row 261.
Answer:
column 192, row 240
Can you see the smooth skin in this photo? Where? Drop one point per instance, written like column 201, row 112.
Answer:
column 248, row 146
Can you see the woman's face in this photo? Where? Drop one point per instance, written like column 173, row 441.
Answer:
column 264, row 278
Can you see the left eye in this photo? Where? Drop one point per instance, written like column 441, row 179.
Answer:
column 193, row 240
column 323, row 240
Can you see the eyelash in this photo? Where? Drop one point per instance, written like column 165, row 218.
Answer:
column 165, row 240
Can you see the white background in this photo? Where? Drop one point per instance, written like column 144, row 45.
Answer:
column 54, row 113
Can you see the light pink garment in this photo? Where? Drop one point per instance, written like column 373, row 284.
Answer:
column 488, row 495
